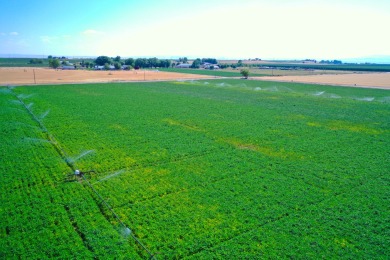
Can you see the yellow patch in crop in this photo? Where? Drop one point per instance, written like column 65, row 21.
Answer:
column 118, row 127
column 162, row 172
column 296, row 117
column 268, row 151
column 186, row 126
column 342, row 242
column 338, row 125
column 359, row 128
column 181, row 83
column 153, row 188
column 314, row 124
column 210, row 223
column 129, row 161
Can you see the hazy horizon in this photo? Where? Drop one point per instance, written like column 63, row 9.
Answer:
column 281, row 29
column 373, row 59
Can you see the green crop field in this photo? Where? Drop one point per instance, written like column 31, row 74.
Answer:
column 217, row 169
column 22, row 62
column 25, row 62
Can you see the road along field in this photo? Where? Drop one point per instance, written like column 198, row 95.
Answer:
column 205, row 169
column 370, row 80
column 18, row 76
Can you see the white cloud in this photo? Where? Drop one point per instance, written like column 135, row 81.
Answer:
column 14, row 33
column 51, row 39
column 3, row 34
column 90, row 32
column 48, row 39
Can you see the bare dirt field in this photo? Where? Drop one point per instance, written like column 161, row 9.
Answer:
column 21, row 76
column 295, row 72
column 365, row 80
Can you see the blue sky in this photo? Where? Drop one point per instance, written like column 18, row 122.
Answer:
column 278, row 29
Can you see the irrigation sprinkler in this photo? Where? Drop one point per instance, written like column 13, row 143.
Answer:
column 80, row 174
column 76, row 172
column 128, row 231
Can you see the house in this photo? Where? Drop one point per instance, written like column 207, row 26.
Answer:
column 205, row 64
column 183, row 66
column 208, row 66
column 111, row 67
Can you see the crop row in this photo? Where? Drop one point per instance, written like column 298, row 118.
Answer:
column 219, row 169
column 42, row 215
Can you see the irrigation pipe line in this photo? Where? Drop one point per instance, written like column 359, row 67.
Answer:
column 117, row 217
column 64, row 156
column 50, row 137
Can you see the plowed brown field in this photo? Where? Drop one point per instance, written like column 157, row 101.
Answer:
column 18, row 76
column 366, row 80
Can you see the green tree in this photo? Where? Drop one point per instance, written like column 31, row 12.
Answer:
column 54, row 63
column 153, row 62
column 141, row 63
column 117, row 65
column 129, row 61
column 245, row 73
column 102, row 60
column 239, row 63
column 196, row 64
column 117, row 58
column 165, row 63
column 36, row 61
column 183, row 60
column 107, row 66
column 210, row 60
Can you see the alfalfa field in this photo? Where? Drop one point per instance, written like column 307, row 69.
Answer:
column 203, row 169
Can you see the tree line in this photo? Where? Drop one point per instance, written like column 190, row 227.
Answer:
column 136, row 63
column 117, row 62
column 133, row 63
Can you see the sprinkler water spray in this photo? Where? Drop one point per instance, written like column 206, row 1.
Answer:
column 77, row 173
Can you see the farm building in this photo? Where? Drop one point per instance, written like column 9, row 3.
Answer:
column 183, row 66
column 68, row 67
column 207, row 65
column 111, row 67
